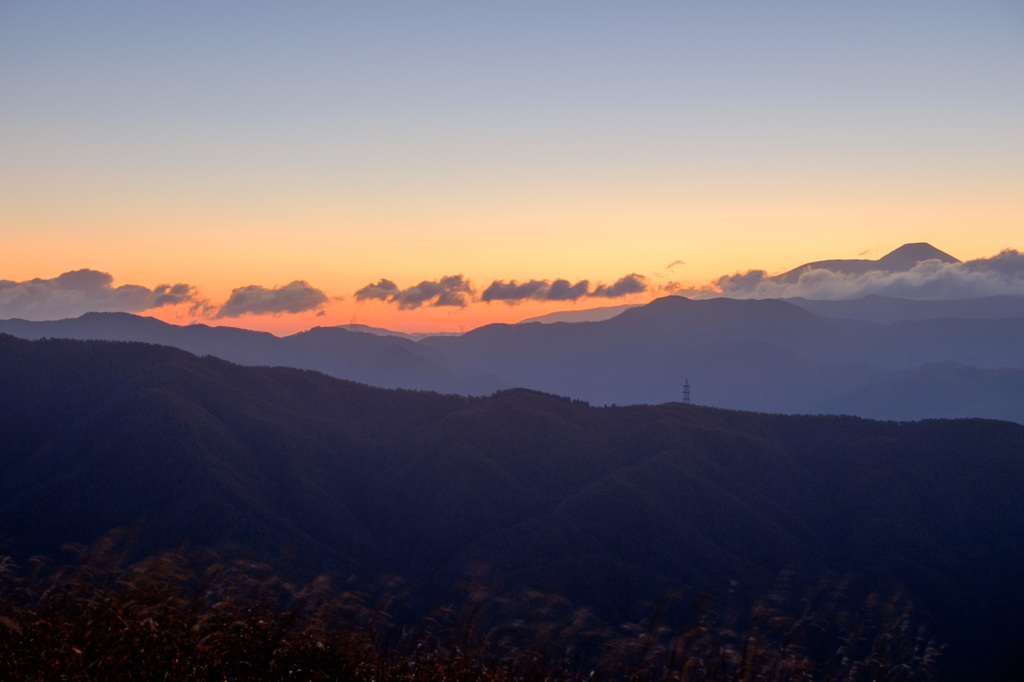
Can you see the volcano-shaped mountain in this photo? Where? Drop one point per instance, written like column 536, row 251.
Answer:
column 901, row 259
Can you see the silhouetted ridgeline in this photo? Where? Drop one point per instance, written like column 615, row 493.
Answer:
column 612, row 508
column 762, row 355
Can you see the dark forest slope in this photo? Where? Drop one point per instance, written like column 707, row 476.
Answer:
column 606, row 506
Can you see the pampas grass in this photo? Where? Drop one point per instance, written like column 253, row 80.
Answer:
column 195, row 616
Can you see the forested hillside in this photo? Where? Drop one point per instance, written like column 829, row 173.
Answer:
column 610, row 507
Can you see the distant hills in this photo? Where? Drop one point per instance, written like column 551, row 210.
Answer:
column 794, row 356
column 902, row 259
column 885, row 309
column 608, row 507
column 380, row 331
column 385, row 360
column 587, row 315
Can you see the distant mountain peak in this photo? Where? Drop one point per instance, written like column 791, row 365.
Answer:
column 909, row 255
column 901, row 259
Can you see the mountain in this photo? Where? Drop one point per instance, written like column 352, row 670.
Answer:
column 380, row 331
column 382, row 360
column 948, row 390
column 885, row 309
column 588, row 315
column 762, row 355
column 609, row 507
column 900, row 260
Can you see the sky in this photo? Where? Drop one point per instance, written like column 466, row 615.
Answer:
column 439, row 166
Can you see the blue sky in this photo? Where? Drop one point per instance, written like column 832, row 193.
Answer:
column 232, row 144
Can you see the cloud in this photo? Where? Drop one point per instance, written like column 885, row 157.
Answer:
column 673, row 287
column 559, row 290
column 630, row 284
column 1009, row 263
column 296, row 297
column 379, row 291
column 513, row 291
column 81, row 291
column 173, row 294
column 450, row 290
column 931, row 279
column 673, row 264
column 536, row 289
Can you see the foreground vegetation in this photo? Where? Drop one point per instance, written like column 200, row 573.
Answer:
column 192, row 615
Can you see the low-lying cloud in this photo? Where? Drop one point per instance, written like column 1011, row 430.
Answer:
column 630, row 284
column 81, row 291
column 296, row 297
column 514, row 292
column 455, row 290
column 536, row 290
column 450, row 290
column 930, row 279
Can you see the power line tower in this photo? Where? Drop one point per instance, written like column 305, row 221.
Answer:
column 686, row 392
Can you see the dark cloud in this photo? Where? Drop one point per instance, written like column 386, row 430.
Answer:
column 81, row 291
column 379, row 291
column 513, row 292
column 672, row 287
column 748, row 281
column 536, row 289
column 451, row 290
column 296, row 297
column 454, row 291
column 930, row 279
column 173, row 294
column 560, row 290
column 630, row 284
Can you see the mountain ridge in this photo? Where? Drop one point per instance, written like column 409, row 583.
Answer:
column 755, row 354
column 550, row 492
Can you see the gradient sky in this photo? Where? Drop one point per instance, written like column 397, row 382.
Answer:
column 231, row 144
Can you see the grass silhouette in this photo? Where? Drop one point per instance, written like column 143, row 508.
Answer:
column 192, row 615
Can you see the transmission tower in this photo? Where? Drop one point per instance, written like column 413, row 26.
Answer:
column 686, row 392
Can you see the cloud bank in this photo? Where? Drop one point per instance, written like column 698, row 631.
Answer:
column 74, row 293
column 81, row 291
column 536, row 289
column 296, row 297
column 451, row 290
column 560, row 290
column 930, row 279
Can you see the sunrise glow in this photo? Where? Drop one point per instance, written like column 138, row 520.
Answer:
column 257, row 146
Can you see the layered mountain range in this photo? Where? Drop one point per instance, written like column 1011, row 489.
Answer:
column 874, row 357
column 613, row 508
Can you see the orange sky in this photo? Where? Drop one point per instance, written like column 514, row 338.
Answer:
column 239, row 145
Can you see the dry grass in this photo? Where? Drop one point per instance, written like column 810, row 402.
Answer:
column 193, row 616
